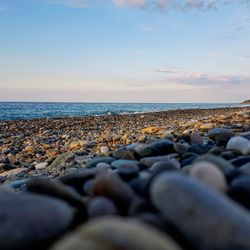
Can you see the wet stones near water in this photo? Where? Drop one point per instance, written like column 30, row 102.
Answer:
column 116, row 233
column 29, row 220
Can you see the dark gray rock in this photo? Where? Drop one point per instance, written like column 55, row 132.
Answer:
column 222, row 135
column 149, row 161
column 31, row 221
column 157, row 147
column 204, row 216
column 101, row 206
column 55, row 189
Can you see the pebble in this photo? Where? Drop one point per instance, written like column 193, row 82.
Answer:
column 101, row 206
column 116, row 233
column 109, row 185
column 42, row 165
column 55, row 189
column 38, row 220
column 221, row 135
column 125, row 163
column 207, row 218
column 240, row 144
column 209, row 174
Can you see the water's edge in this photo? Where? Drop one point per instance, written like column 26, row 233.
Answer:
column 34, row 110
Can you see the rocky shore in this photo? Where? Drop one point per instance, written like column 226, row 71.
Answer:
column 166, row 180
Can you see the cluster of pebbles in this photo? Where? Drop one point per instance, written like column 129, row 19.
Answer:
column 184, row 187
column 54, row 147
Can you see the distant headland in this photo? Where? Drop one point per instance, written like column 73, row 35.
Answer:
column 246, row 102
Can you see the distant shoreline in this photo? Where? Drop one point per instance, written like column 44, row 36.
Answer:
column 65, row 110
column 137, row 114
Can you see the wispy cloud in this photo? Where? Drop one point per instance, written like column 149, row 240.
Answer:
column 161, row 5
column 204, row 79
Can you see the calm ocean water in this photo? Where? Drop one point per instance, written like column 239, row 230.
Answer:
column 25, row 110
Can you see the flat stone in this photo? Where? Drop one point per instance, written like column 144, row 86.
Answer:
column 149, row 161
column 31, row 221
column 115, row 233
column 125, row 163
column 94, row 162
column 240, row 144
column 204, row 216
column 41, row 165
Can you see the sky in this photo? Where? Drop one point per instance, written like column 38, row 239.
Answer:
column 125, row 50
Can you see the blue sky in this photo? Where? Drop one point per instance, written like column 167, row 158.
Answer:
column 125, row 50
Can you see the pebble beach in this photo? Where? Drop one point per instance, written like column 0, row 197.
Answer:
column 177, row 179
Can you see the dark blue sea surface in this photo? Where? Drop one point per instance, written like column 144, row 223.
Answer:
column 32, row 110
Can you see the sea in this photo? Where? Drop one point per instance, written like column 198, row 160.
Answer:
column 33, row 110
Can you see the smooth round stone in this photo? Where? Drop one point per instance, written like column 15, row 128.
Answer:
column 125, row 163
column 128, row 173
column 221, row 163
column 111, row 186
column 240, row 144
column 55, row 189
column 101, row 206
column 104, row 149
column 181, row 148
column 209, row 174
column 94, row 162
column 115, row 233
column 240, row 190
column 222, row 135
column 31, row 221
column 204, row 216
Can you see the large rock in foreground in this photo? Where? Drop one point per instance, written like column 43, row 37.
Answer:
column 30, row 221
column 117, row 234
column 204, row 216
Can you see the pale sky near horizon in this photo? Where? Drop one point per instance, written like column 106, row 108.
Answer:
column 125, row 50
